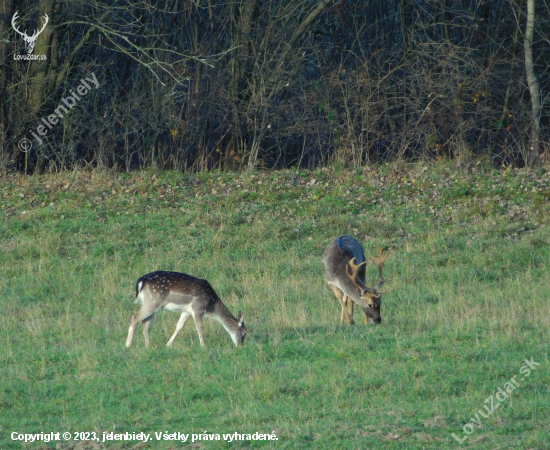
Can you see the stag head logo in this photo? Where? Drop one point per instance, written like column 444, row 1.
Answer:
column 29, row 40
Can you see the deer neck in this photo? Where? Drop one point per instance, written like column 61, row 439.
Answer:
column 360, row 301
column 228, row 320
column 351, row 291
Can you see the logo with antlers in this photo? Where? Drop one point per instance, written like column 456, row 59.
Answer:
column 29, row 40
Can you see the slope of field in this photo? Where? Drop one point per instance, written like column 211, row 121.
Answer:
column 468, row 305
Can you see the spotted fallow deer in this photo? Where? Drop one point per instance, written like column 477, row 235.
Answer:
column 345, row 265
column 183, row 293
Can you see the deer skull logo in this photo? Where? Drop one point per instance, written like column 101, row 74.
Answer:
column 29, row 40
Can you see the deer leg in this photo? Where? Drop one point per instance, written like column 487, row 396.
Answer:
column 366, row 319
column 198, row 325
column 351, row 304
column 140, row 316
column 146, row 324
column 181, row 322
column 344, row 309
column 343, row 314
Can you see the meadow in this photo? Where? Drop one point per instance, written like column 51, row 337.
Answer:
column 470, row 284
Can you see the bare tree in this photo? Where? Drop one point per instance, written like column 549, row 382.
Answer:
column 212, row 84
column 532, row 82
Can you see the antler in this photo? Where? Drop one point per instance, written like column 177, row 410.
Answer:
column 353, row 276
column 35, row 34
column 380, row 263
column 13, row 19
column 354, row 271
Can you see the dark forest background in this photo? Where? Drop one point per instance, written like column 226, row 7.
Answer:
column 210, row 84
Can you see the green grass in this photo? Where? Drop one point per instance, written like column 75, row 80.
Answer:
column 469, row 303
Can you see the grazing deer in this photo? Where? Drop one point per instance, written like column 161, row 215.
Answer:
column 343, row 274
column 183, row 293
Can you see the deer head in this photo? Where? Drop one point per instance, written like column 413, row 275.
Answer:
column 29, row 40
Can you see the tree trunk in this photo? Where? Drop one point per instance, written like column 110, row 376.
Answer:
column 534, row 90
column 38, row 74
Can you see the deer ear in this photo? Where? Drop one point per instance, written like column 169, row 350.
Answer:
column 240, row 318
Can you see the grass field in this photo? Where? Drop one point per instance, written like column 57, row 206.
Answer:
column 468, row 305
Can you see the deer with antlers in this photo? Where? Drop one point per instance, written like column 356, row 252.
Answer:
column 345, row 265
column 29, row 40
